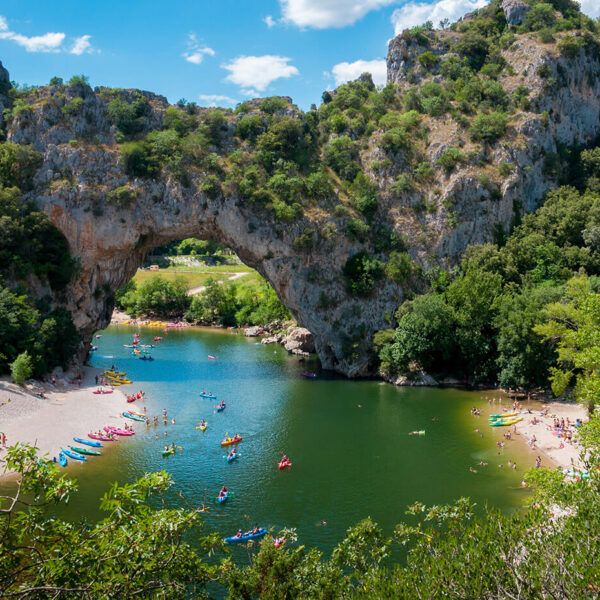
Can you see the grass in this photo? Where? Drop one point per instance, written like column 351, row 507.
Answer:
column 195, row 276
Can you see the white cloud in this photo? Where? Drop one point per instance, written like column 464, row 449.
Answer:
column 590, row 8
column 346, row 71
column 217, row 100
column 48, row 42
column 269, row 21
column 321, row 14
column 81, row 45
column 195, row 52
column 416, row 13
column 254, row 74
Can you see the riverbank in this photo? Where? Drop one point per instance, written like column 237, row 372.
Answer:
column 49, row 416
column 536, row 429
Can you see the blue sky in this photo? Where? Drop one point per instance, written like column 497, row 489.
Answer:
column 212, row 51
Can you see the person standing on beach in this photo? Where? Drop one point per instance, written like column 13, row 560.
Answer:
column 538, row 462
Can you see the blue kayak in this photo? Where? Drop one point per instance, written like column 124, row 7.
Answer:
column 85, row 442
column 62, row 459
column 220, row 408
column 73, row 454
column 245, row 537
column 205, row 395
column 223, row 498
column 232, row 457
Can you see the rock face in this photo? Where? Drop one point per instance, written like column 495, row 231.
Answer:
column 299, row 341
column 515, row 11
column 81, row 169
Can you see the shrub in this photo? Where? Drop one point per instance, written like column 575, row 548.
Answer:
column 341, row 155
column 540, row 16
column 122, row 196
column 362, row 272
column 73, row 107
column 488, row 128
column 138, row 160
column 423, row 172
column 18, row 164
column 570, row 46
column 428, row 60
column 249, row 127
column 21, row 368
column 81, row 80
column 402, row 183
column 357, row 229
column 304, row 240
column 474, row 48
column 318, row 186
column 399, row 267
column 211, row 186
column 363, row 195
column 179, row 120
column 395, row 139
column 450, row 158
column 505, row 169
column 128, row 116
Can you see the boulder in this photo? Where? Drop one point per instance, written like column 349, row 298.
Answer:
column 254, row 331
column 299, row 341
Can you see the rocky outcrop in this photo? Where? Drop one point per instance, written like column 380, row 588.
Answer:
column 299, row 341
column 112, row 220
column 515, row 11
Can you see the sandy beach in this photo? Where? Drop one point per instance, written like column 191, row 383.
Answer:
column 536, row 430
column 65, row 412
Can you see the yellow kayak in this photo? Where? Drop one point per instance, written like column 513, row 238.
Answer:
column 115, row 373
column 504, row 415
column 505, row 422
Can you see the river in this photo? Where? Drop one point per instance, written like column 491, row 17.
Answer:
column 352, row 455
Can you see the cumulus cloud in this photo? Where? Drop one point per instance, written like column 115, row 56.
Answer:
column 590, row 8
column 217, row 100
column 416, row 13
column 321, row 14
column 81, row 45
column 196, row 52
column 346, row 71
column 254, row 74
column 269, row 21
column 48, row 42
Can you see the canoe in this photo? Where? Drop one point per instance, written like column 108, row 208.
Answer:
column 245, row 537
column 118, row 431
column 62, row 459
column 131, row 416
column 223, row 498
column 231, row 441
column 284, row 464
column 205, row 395
column 103, row 438
column 87, row 442
column 506, row 422
column 85, row 451
column 232, row 457
column 72, row 454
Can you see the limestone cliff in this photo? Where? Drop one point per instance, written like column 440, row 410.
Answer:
column 112, row 219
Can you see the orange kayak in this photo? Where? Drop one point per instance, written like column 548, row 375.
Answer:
column 230, row 441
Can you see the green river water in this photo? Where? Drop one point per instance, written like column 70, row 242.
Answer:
column 352, row 455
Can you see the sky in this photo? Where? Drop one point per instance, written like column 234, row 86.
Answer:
column 213, row 52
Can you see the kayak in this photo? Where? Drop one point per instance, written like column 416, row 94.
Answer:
column 505, row 415
column 245, row 537
column 137, row 414
column 103, row 438
column 223, row 498
column 133, row 417
column 118, row 431
column 85, row 451
column 62, row 459
column 102, row 392
column 283, row 464
column 202, row 427
column 115, row 373
column 168, row 452
column 220, row 407
column 232, row 457
column 419, row 432
column 72, row 454
column 206, row 395
column 506, row 422
column 230, row 441
column 87, row 442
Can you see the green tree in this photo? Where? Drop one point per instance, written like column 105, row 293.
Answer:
column 21, row 368
column 574, row 327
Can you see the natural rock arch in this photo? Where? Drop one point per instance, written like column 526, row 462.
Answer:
column 303, row 258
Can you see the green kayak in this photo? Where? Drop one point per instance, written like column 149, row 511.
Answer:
column 87, row 451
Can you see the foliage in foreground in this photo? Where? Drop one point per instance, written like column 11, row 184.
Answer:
column 547, row 550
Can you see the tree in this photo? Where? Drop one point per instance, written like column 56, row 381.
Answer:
column 22, row 368
column 574, row 328
column 488, row 128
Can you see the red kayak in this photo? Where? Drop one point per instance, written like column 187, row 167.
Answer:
column 102, row 438
column 102, row 392
column 130, row 399
column 118, row 431
column 284, row 464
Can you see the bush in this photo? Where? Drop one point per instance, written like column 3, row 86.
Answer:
column 570, row 46
column 450, row 158
column 489, row 128
column 399, row 267
column 122, row 196
column 341, row 154
column 362, row 272
column 128, row 116
column 21, row 368
column 79, row 80
column 363, row 195
column 138, row 160
column 179, row 120
column 357, row 229
column 249, row 127
column 18, row 165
